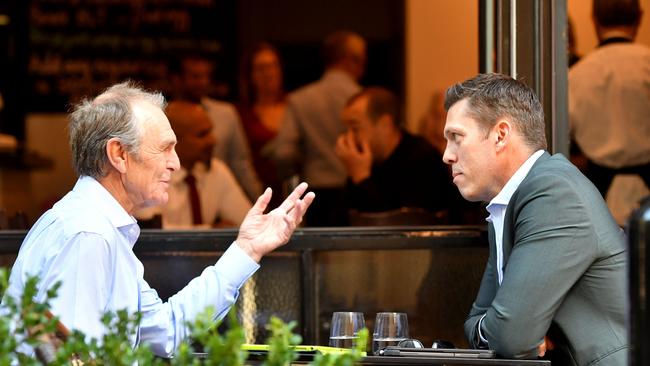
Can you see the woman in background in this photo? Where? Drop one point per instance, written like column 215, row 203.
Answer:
column 261, row 107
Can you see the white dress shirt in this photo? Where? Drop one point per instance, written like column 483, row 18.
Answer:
column 85, row 241
column 609, row 104
column 497, row 209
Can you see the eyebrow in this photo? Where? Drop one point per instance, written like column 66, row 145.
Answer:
column 168, row 142
column 450, row 130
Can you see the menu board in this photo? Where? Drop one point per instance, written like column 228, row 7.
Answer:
column 79, row 47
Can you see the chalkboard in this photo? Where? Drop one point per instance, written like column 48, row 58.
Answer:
column 79, row 47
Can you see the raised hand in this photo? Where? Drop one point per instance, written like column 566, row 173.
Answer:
column 355, row 156
column 261, row 233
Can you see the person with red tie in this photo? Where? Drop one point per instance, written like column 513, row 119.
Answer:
column 203, row 192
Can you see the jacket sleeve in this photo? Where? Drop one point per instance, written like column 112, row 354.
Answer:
column 552, row 248
column 486, row 294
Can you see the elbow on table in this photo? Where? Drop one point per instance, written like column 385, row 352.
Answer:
column 520, row 346
column 514, row 341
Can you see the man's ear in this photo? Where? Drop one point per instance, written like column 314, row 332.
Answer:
column 116, row 154
column 503, row 131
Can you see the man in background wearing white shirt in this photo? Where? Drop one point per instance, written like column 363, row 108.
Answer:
column 192, row 80
column 609, row 106
column 123, row 150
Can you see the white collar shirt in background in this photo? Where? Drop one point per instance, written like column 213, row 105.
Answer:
column 609, row 104
column 219, row 193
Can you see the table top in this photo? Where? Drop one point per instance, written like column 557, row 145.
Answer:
column 439, row 361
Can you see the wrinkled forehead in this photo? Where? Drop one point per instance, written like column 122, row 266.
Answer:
column 151, row 120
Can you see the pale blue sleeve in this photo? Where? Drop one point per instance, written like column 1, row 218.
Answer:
column 163, row 325
column 84, row 267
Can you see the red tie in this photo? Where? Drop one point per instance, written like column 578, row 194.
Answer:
column 194, row 199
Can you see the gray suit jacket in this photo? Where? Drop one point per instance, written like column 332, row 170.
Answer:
column 564, row 273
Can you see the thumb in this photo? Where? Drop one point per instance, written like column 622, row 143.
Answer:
column 262, row 202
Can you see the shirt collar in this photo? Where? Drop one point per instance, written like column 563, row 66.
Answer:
column 90, row 189
column 338, row 75
column 513, row 183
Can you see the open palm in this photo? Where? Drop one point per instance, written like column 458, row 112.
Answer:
column 261, row 233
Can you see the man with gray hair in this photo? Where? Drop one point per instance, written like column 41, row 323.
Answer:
column 123, row 150
column 556, row 276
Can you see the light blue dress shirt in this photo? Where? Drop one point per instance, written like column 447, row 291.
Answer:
column 86, row 242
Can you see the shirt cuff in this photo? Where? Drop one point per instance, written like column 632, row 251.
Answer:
column 235, row 266
column 482, row 339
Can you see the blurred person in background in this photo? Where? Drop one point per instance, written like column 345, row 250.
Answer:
column 382, row 159
column 312, row 123
column 431, row 128
column 192, row 79
column 432, row 123
column 203, row 192
column 261, row 107
column 609, row 104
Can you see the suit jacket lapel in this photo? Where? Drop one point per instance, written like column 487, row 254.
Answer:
column 510, row 220
column 493, row 251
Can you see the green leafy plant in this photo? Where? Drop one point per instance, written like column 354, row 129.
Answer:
column 281, row 343
column 345, row 359
column 219, row 349
column 25, row 322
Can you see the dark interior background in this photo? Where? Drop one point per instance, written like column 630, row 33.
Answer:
column 56, row 51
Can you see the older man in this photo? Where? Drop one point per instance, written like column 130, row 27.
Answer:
column 123, row 150
column 557, row 265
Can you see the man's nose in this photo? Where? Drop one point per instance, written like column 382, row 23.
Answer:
column 448, row 157
column 174, row 162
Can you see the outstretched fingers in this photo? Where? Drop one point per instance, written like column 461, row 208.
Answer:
column 288, row 204
column 262, row 202
column 301, row 207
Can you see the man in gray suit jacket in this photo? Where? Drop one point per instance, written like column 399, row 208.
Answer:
column 555, row 281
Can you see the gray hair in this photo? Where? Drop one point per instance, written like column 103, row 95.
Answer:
column 494, row 96
column 109, row 115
